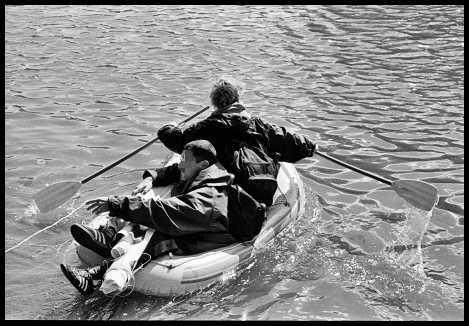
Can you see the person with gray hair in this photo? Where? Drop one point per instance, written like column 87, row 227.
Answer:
column 247, row 146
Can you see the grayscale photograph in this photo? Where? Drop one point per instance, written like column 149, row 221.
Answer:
column 234, row 162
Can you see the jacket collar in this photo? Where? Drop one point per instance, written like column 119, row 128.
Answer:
column 235, row 108
column 215, row 176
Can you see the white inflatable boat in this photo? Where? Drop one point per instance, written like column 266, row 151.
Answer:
column 175, row 275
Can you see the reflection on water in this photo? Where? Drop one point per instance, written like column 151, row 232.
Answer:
column 380, row 87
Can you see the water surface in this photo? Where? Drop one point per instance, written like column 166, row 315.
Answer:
column 380, row 87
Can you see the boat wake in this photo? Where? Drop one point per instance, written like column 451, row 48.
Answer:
column 406, row 249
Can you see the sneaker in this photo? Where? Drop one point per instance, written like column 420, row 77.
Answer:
column 85, row 280
column 99, row 240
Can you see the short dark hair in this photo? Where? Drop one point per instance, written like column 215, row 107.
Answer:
column 224, row 94
column 202, row 150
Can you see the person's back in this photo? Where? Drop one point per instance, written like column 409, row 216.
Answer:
column 241, row 150
column 247, row 146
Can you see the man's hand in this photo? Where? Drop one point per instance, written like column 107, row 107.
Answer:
column 144, row 187
column 98, row 205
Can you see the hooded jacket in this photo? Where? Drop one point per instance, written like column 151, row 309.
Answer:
column 194, row 219
column 230, row 130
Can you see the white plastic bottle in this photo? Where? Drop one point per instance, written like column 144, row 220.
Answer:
column 127, row 239
column 120, row 274
column 115, row 281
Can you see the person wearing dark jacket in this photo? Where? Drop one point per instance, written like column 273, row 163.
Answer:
column 247, row 147
column 193, row 220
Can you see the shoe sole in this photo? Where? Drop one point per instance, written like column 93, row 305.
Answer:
column 83, row 237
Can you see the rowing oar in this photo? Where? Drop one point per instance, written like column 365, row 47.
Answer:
column 55, row 195
column 418, row 193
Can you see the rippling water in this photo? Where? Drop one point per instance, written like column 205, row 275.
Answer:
column 380, row 87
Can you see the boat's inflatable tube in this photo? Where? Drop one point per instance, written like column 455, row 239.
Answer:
column 174, row 275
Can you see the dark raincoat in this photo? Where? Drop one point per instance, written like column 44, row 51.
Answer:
column 232, row 129
column 193, row 220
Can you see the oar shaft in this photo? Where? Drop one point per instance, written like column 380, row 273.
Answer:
column 354, row 168
column 94, row 175
column 118, row 161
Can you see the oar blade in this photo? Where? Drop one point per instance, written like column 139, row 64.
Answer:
column 418, row 193
column 55, row 195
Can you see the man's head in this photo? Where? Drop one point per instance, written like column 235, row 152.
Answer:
column 224, row 93
column 196, row 156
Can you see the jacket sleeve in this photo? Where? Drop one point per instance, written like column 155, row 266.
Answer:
column 210, row 129
column 174, row 216
column 291, row 147
column 164, row 176
column 171, row 137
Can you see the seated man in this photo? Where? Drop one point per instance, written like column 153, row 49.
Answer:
column 193, row 220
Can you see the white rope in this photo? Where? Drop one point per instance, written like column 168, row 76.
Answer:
column 47, row 227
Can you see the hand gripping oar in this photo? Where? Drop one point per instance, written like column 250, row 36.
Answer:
column 418, row 193
column 55, row 195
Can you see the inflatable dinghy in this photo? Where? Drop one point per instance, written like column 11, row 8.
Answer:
column 171, row 275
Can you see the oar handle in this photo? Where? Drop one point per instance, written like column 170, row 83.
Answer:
column 354, row 168
column 136, row 151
